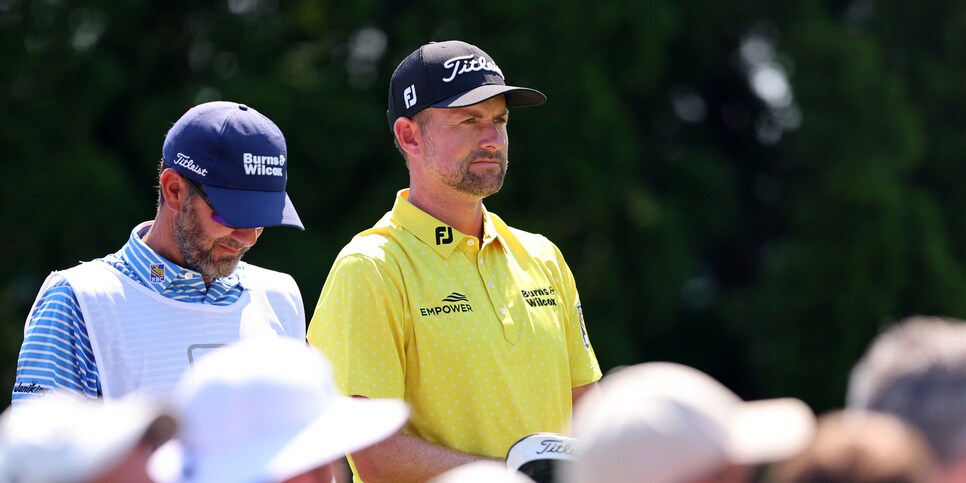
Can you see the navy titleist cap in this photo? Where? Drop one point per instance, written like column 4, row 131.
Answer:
column 451, row 74
column 240, row 158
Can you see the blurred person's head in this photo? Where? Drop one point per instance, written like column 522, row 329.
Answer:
column 860, row 447
column 60, row 438
column 662, row 422
column 484, row 471
column 916, row 370
column 266, row 410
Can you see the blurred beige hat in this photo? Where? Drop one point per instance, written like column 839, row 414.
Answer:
column 662, row 422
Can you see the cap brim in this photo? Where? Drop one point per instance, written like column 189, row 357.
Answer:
column 348, row 425
column 769, row 430
column 254, row 209
column 515, row 96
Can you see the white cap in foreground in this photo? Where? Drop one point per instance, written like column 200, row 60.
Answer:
column 266, row 410
column 62, row 438
column 663, row 422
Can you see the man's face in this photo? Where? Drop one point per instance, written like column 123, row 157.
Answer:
column 207, row 246
column 466, row 147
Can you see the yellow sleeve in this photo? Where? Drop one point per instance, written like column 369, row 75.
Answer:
column 584, row 368
column 359, row 325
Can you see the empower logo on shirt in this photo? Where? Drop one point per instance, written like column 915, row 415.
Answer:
column 452, row 304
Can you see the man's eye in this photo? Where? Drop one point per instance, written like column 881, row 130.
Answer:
column 471, row 120
column 500, row 120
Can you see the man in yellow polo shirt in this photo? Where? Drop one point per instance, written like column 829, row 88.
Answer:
column 475, row 324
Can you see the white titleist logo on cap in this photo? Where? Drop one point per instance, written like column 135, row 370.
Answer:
column 469, row 63
column 185, row 161
column 263, row 165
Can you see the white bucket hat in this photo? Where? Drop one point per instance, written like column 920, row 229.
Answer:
column 266, row 410
column 60, row 438
column 663, row 422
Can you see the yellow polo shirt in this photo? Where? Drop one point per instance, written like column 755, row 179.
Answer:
column 484, row 342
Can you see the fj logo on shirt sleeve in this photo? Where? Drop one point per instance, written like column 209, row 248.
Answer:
column 409, row 96
column 444, row 235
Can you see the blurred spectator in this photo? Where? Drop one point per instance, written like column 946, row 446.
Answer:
column 662, row 422
column 265, row 410
column 485, row 471
column 861, row 447
column 916, row 370
column 62, row 439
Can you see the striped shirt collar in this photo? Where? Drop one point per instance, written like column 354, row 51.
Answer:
column 158, row 273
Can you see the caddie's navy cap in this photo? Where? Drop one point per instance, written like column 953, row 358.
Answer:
column 240, row 158
column 451, row 74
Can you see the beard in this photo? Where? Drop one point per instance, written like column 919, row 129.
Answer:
column 462, row 178
column 198, row 253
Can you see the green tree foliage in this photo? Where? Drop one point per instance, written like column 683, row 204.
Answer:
column 754, row 190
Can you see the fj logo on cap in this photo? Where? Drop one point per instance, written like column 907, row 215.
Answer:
column 469, row 63
column 409, row 96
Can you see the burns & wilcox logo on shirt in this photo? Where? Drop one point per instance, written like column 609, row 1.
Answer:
column 453, row 303
column 157, row 273
column 541, row 297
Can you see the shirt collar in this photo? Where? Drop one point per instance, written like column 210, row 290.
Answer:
column 434, row 233
column 158, row 272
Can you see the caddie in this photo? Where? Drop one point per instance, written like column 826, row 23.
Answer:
column 135, row 319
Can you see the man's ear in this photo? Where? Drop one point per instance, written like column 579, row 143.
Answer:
column 408, row 136
column 175, row 190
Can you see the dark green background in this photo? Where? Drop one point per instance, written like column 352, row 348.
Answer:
column 763, row 239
